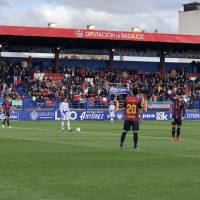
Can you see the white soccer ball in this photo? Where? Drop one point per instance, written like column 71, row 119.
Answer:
column 78, row 129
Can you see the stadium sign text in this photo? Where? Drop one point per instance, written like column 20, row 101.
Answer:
column 113, row 35
column 13, row 117
column 94, row 115
column 45, row 115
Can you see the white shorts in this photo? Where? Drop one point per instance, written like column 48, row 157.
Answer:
column 66, row 117
column 112, row 114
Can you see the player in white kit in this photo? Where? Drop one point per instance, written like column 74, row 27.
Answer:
column 65, row 114
column 112, row 111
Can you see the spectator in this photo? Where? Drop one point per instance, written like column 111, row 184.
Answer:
column 36, row 65
column 50, row 69
column 25, row 64
column 19, row 82
column 41, row 65
column 100, row 81
column 54, row 69
column 30, row 62
column 105, row 84
column 185, row 70
column 173, row 72
column 64, row 68
column 15, row 77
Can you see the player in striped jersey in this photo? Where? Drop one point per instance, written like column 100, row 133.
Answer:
column 178, row 114
column 5, row 107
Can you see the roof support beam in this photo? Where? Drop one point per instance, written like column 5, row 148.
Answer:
column 162, row 64
column 111, row 59
column 57, row 59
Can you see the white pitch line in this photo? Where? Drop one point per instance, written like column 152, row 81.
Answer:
column 129, row 135
column 73, row 138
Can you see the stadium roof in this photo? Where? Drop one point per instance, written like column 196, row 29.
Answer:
column 96, row 39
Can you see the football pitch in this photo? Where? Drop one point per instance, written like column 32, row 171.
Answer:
column 38, row 161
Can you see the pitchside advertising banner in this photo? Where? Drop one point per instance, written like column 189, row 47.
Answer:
column 159, row 106
column 92, row 115
column 119, row 90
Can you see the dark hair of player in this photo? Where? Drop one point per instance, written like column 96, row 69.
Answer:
column 135, row 91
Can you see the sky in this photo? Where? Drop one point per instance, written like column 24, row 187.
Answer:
column 114, row 15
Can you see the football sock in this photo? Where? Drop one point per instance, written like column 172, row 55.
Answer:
column 111, row 120
column 4, row 121
column 68, row 125
column 173, row 132
column 8, row 122
column 135, row 139
column 63, row 123
column 123, row 136
column 178, row 132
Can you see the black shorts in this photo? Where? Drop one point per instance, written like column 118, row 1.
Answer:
column 129, row 124
column 7, row 114
column 176, row 121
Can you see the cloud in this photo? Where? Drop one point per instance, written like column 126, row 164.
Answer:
column 115, row 15
column 4, row 3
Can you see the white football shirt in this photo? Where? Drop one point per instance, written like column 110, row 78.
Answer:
column 64, row 108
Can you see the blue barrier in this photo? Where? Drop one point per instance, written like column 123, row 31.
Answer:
column 86, row 105
column 93, row 115
column 193, row 105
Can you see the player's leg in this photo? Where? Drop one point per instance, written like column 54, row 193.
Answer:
column 4, row 121
column 63, row 125
column 63, row 122
column 173, row 122
column 8, row 122
column 68, row 122
column 111, row 119
column 179, row 123
column 123, row 136
column 135, row 139
column 135, row 129
column 68, row 125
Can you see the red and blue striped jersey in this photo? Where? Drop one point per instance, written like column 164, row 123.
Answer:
column 6, row 106
column 177, row 108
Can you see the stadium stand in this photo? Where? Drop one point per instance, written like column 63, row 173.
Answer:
column 41, row 88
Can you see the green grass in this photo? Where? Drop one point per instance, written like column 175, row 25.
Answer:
column 39, row 161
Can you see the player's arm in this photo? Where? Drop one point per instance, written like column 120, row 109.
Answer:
column 12, row 109
column 69, row 111
column 183, row 116
column 124, row 108
column 2, row 106
column 61, row 110
column 141, row 111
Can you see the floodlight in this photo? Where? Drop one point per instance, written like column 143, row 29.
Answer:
column 90, row 26
column 52, row 24
column 135, row 29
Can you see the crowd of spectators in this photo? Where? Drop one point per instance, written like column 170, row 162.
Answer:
column 76, row 87
column 152, row 86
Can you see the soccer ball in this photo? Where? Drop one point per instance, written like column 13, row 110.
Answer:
column 78, row 129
